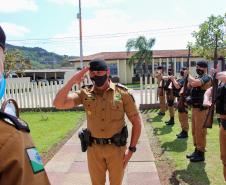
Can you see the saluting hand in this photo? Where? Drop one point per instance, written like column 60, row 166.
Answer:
column 79, row 76
column 127, row 156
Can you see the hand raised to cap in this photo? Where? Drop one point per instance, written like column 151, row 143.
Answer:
column 79, row 76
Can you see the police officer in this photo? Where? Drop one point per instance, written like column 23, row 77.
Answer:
column 198, row 87
column 105, row 104
column 160, row 90
column 182, row 113
column 20, row 163
column 221, row 110
column 169, row 97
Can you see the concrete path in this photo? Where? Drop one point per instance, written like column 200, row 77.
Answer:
column 69, row 165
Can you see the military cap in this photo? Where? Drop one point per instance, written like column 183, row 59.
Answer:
column 202, row 64
column 2, row 38
column 98, row 65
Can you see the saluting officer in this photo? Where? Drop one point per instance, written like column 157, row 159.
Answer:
column 105, row 104
column 160, row 90
column 20, row 163
column 221, row 110
column 182, row 114
column 198, row 87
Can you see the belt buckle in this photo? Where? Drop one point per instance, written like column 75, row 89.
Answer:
column 95, row 141
column 109, row 141
column 101, row 141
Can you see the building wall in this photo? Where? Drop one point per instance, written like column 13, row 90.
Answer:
column 125, row 71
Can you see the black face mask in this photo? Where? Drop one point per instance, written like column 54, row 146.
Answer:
column 99, row 80
column 199, row 71
column 170, row 73
column 182, row 73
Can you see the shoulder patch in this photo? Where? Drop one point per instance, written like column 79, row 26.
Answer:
column 35, row 160
column 121, row 86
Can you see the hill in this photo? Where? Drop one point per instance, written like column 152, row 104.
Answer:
column 42, row 59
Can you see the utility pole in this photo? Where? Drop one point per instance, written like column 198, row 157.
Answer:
column 79, row 16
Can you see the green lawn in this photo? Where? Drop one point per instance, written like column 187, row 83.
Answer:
column 47, row 129
column 204, row 173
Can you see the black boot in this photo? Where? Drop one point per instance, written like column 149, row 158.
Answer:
column 192, row 154
column 182, row 135
column 161, row 113
column 198, row 157
column 170, row 122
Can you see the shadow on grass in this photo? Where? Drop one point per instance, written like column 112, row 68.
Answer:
column 177, row 145
column 163, row 130
column 195, row 174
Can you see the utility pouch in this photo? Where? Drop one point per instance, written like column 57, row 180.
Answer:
column 120, row 139
column 85, row 138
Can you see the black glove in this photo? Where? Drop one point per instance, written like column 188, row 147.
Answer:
column 2, row 38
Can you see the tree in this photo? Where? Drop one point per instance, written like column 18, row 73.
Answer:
column 209, row 31
column 15, row 61
column 143, row 54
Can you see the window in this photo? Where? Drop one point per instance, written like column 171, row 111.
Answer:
column 113, row 69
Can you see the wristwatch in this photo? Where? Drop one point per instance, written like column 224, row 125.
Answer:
column 132, row 148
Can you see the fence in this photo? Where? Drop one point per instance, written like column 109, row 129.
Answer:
column 35, row 95
column 148, row 93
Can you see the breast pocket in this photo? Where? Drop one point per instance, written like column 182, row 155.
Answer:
column 89, row 106
column 117, row 110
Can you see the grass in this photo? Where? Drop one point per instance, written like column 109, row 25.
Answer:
column 48, row 129
column 204, row 173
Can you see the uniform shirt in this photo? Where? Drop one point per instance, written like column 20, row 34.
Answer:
column 181, row 81
column 105, row 114
column 15, row 163
column 205, row 81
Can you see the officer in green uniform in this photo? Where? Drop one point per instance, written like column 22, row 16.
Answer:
column 221, row 110
column 20, row 163
column 198, row 87
column 182, row 114
column 105, row 104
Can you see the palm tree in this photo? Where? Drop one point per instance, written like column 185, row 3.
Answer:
column 143, row 54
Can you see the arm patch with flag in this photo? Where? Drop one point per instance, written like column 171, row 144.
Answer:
column 35, row 160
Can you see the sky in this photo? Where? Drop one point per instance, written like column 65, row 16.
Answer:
column 106, row 24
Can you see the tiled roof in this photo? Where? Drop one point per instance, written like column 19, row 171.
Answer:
column 124, row 55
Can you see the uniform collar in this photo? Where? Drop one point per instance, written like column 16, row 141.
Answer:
column 111, row 86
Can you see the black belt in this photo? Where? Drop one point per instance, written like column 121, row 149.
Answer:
column 102, row 141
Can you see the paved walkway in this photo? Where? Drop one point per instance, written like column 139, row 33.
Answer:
column 69, row 165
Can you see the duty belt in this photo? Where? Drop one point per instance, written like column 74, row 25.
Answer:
column 102, row 141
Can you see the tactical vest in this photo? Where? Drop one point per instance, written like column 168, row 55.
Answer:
column 176, row 91
column 166, row 85
column 197, row 96
column 221, row 100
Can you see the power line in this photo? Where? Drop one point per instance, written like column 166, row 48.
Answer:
column 122, row 34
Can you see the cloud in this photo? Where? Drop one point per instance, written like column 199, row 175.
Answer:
column 10, row 6
column 14, row 29
column 88, row 3
column 109, row 30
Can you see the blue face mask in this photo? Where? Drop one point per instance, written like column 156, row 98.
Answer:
column 2, row 86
